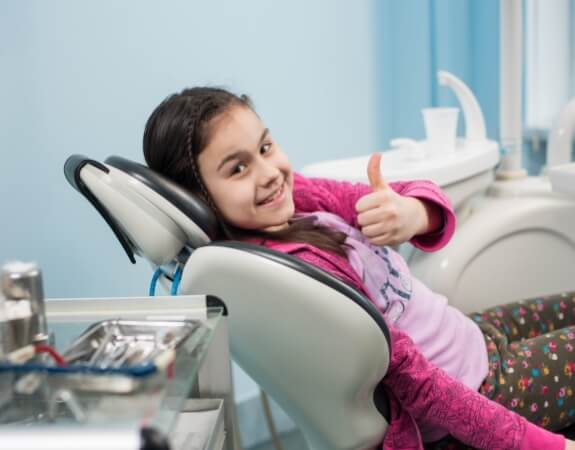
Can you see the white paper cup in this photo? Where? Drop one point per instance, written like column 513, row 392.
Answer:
column 440, row 129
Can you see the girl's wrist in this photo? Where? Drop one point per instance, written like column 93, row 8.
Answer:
column 418, row 217
column 431, row 216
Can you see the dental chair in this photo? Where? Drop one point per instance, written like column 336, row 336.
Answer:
column 315, row 344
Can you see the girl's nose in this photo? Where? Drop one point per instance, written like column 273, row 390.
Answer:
column 269, row 173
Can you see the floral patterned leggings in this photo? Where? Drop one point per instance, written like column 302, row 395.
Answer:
column 531, row 351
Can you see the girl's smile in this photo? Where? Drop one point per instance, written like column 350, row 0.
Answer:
column 274, row 199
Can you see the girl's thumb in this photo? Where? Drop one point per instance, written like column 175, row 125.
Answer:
column 374, row 173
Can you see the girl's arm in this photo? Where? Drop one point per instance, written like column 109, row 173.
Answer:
column 340, row 197
column 431, row 396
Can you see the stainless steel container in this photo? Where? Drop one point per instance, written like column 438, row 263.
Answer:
column 23, row 281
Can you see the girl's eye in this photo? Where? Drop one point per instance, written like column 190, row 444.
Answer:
column 265, row 148
column 239, row 168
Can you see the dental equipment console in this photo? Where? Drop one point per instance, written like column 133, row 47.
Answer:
column 135, row 348
column 294, row 328
column 136, row 374
column 110, row 347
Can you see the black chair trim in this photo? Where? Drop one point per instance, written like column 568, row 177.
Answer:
column 213, row 301
column 72, row 168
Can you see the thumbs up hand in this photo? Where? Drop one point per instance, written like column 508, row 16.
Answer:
column 385, row 217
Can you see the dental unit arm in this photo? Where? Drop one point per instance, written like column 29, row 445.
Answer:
column 294, row 328
column 474, row 121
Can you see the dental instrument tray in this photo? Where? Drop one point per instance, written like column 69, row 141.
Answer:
column 115, row 355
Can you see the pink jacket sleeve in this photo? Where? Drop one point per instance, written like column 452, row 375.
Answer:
column 340, row 197
column 431, row 396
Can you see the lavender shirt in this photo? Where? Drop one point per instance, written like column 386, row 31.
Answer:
column 445, row 336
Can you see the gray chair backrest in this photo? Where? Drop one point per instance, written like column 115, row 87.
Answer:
column 316, row 349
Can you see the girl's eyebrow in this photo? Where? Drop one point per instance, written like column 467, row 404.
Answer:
column 236, row 154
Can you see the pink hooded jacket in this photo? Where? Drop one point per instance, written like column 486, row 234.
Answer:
column 419, row 391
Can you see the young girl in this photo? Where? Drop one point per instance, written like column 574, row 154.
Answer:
column 213, row 143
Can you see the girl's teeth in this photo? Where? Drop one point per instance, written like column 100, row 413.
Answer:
column 272, row 198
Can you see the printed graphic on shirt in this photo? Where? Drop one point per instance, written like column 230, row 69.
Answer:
column 383, row 271
column 396, row 288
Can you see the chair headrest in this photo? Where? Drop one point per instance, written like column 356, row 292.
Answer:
column 150, row 215
column 188, row 203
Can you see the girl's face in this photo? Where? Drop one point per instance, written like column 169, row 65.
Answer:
column 247, row 175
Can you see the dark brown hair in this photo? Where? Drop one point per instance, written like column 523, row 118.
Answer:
column 179, row 130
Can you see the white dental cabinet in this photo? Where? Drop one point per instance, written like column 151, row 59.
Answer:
column 188, row 405
column 562, row 178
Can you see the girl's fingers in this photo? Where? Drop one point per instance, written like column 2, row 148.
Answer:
column 382, row 240
column 370, row 201
column 370, row 217
column 387, row 216
column 376, row 230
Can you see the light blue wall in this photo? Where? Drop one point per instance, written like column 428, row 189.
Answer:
column 82, row 77
column 416, row 38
